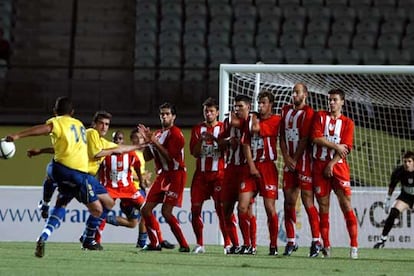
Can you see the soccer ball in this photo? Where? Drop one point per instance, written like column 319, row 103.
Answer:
column 7, row 149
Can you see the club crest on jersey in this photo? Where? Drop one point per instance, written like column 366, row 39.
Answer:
column 410, row 181
column 217, row 188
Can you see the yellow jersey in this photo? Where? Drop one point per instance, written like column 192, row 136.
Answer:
column 140, row 155
column 69, row 142
column 96, row 144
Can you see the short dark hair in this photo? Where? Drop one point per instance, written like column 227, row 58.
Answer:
column 409, row 154
column 337, row 91
column 170, row 106
column 266, row 94
column 101, row 114
column 243, row 98
column 211, row 102
column 63, row 106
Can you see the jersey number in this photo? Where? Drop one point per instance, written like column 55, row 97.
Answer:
column 82, row 132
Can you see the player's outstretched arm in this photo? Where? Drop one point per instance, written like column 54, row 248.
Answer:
column 32, row 131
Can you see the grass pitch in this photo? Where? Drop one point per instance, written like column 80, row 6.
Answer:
column 17, row 258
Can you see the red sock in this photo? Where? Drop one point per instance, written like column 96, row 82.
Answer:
column 220, row 216
column 153, row 228
column 253, row 231
column 232, row 230
column 273, row 225
column 98, row 235
column 352, row 226
column 324, row 228
column 313, row 218
column 197, row 224
column 176, row 229
column 290, row 222
column 244, row 224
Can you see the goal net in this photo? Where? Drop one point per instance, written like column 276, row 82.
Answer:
column 379, row 99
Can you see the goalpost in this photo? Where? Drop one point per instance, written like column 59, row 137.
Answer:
column 380, row 100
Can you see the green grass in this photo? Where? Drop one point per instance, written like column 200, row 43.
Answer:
column 17, row 258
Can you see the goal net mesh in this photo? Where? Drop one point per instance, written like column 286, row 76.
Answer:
column 380, row 104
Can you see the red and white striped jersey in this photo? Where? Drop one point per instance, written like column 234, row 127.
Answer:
column 116, row 170
column 338, row 131
column 211, row 158
column 296, row 124
column 263, row 145
column 172, row 140
column 234, row 154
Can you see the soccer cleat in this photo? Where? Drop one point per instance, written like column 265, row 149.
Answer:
column 315, row 249
column 149, row 247
column 326, row 252
column 353, row 252
column 290, row 248
column 229, row 250
column 380, row 244
column 91, row 245
column 184, row 249
column 167, row 245
column 198, row 249
column 273, row 251
column 241, row 250
column 251, row 250
column 44, row 209
column 40, row 248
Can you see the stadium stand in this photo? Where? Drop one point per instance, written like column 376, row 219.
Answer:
column 173, row 47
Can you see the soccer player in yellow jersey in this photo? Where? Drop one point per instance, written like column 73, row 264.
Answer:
column 69, row 169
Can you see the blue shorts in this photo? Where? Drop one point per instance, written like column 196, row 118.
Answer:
column 76, row 184
column 129, row 209
column 49, row 170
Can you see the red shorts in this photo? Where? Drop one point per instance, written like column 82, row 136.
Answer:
column 298, row 179
column 233, row 177
column 168, row 187
column 129, row 192
column 206, row 185
column 266, row 185
column 339, row 181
